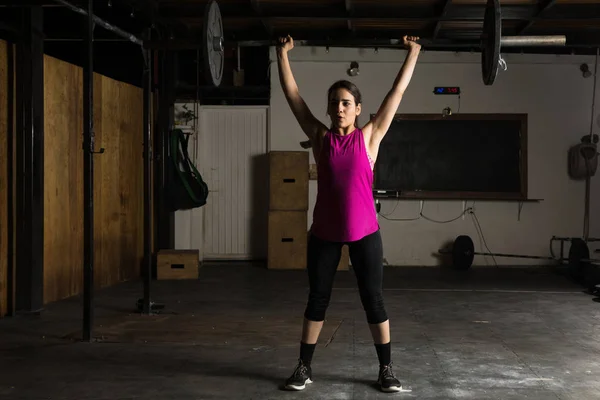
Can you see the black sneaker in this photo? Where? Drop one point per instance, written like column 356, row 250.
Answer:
column 301, row 376
column 387, row 380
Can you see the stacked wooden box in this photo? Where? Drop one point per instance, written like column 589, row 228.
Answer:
column 288, row 211
column 288, row 208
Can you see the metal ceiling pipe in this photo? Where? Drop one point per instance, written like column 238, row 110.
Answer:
column 102, row 23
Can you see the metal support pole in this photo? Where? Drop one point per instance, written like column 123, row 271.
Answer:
column 586, row 217
column 10, row 220
column 586, row 206
column 100, row 22
column 147, row 270
column 30, row 163
column 88, row 175
column 164, row 237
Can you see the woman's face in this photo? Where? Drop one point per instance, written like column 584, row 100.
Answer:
column 342, row 108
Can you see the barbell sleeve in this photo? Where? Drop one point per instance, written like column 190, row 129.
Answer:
column 522, row 41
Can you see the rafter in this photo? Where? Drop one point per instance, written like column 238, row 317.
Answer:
column 350, row 12
column 455, row 12
column 438, row 24
column 543, row 7
column 258, row 11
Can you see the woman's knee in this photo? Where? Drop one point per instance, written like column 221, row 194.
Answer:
column 317, row 305
column 374, row 307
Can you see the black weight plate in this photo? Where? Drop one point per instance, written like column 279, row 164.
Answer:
column 212, row 28
column 578, row 251
column 463, row 252
column 490, row 41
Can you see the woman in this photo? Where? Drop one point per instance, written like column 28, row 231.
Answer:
column 345, row 212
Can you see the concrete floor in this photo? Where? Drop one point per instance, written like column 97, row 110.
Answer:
column 489, row 333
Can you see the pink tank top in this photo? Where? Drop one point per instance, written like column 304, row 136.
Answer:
column 345, row 209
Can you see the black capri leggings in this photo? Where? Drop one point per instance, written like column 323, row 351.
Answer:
column 366, row 255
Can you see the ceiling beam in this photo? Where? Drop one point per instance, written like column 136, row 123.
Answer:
column 390, row 19
column 442, row 14
column 149, row 11
column 450, row 13
column 349, row 12
column 43, row 3
column 456, row 11
column 258, row 11
column 543, row 7
column 5, row 26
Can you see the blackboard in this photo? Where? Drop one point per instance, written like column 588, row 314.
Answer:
column 466, row 156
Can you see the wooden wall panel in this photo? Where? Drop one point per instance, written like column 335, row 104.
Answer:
column 63, row 180
column 119, row 216
column 3, row 176
column 118, row 181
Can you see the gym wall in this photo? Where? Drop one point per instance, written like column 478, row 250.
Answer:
column 550, row 89
column 118, row 184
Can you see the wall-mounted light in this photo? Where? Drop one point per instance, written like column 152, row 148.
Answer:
column 585, row 70
column 353, row 71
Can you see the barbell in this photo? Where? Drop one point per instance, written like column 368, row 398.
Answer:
column 491, row 42
column 581, row 266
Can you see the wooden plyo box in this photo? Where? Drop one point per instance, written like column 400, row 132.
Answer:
column 288, row 180
column 287, row 240
column 177, row 264
column 344, row 263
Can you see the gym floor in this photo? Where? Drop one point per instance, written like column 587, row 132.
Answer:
column 489, row 333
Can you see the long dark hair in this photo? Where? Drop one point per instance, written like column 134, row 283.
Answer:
column 349, row 86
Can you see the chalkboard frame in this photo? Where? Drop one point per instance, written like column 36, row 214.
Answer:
column 520, row 195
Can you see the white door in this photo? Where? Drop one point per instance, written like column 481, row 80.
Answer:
column 233, row 160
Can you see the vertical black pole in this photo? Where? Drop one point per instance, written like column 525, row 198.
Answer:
column 164, row 226
column 30, row 163
column 88, row 175
column 147, row 76
column 22, row 245
column 10, row 183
